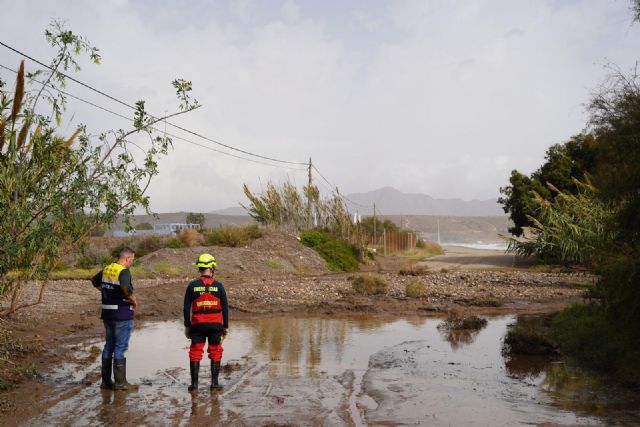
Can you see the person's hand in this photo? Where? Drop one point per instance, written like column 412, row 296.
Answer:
column 133, row 300
column 187, row 330
column 224, row 334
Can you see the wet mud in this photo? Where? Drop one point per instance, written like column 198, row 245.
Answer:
column 351, row 371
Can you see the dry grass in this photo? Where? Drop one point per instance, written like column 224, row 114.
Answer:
column 424, row 250
column 370, row 284
column 190, row 237
column 415, row 289
column 459, row 320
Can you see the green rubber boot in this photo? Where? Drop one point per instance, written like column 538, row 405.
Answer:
column 107, row 366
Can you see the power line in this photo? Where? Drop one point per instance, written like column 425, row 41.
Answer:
column 335, row 187
column 134, row 108
column 154, row 128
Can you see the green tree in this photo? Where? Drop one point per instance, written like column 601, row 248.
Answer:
column 196, row 218
column 575, row 158
column 572, row 228
column 615, row 122
column 367, row 225
column 55, row 191
column 144, row 226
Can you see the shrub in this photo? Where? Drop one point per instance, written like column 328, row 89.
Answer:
column 144, row 226
column 314, row 238
column 149, row 244
column 460, row 320
column 420, row 244
column 115, row 252
column 527, row 338
column 370, row 284
column 339, row 254
column 253, row 232
column 92, row 260
column 175, row 243
column 190, row 237
column 415, row 289
column 588, row 334
column 232, row 236
column 273, row 264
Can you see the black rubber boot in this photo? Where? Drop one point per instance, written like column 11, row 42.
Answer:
column 120, row 374
column 194, row 367
column 215, row 371
column 107, row 365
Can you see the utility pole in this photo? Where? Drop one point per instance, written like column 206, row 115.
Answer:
column 309, row 197
column 375, row 235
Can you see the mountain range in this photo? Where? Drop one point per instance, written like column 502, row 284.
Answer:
column 390, row 201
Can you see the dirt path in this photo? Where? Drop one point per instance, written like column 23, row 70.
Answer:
column 462, row 258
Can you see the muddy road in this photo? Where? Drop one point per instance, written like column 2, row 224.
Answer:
column 351, row 371
column 465, row 259
column 303, row 349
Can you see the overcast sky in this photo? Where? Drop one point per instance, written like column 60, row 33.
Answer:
column 437, row 97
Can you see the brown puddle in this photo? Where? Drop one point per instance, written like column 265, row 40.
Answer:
column 346, row 371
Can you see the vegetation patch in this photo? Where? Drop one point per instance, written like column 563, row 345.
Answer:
column 457, row 319
column 273, row 264
column 190, row 237
column 175, row 243
column 528, row 338
column 370, row 284
column 166, row 268
column 415, row 289
column 339, row 254
column 12, row 350
column 232, row 236
column 425, row 249
column 414, row 270
column 588, row 334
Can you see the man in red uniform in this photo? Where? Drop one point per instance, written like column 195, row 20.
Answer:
column 206, row 318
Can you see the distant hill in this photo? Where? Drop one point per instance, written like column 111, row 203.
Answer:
column 390, row 201
column 234, row 211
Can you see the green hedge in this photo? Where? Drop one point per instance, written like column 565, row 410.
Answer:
column 339, row 254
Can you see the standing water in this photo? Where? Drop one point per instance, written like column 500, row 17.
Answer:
column 343, row 371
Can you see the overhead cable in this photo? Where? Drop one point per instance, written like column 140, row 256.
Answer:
column 155, row 128
column 134, row 108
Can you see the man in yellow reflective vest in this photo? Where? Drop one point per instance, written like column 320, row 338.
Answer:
column 118, row 305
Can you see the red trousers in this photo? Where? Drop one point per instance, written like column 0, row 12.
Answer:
column 201, row 333
column 197, row 350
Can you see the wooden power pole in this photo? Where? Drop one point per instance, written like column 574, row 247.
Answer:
column 309, row 197
column 375, row 234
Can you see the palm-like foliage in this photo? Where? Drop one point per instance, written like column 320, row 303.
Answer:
column 572, row 228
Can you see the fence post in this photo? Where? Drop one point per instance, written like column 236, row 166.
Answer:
column 384, row 241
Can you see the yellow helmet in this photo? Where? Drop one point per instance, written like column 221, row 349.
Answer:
column 206, row 261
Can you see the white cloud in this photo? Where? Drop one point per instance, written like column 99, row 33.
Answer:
column 436, row 97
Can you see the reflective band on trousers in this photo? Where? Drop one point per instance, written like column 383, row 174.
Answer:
column 109, row 306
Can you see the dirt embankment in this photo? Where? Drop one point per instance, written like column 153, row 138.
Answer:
column 275, row 274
